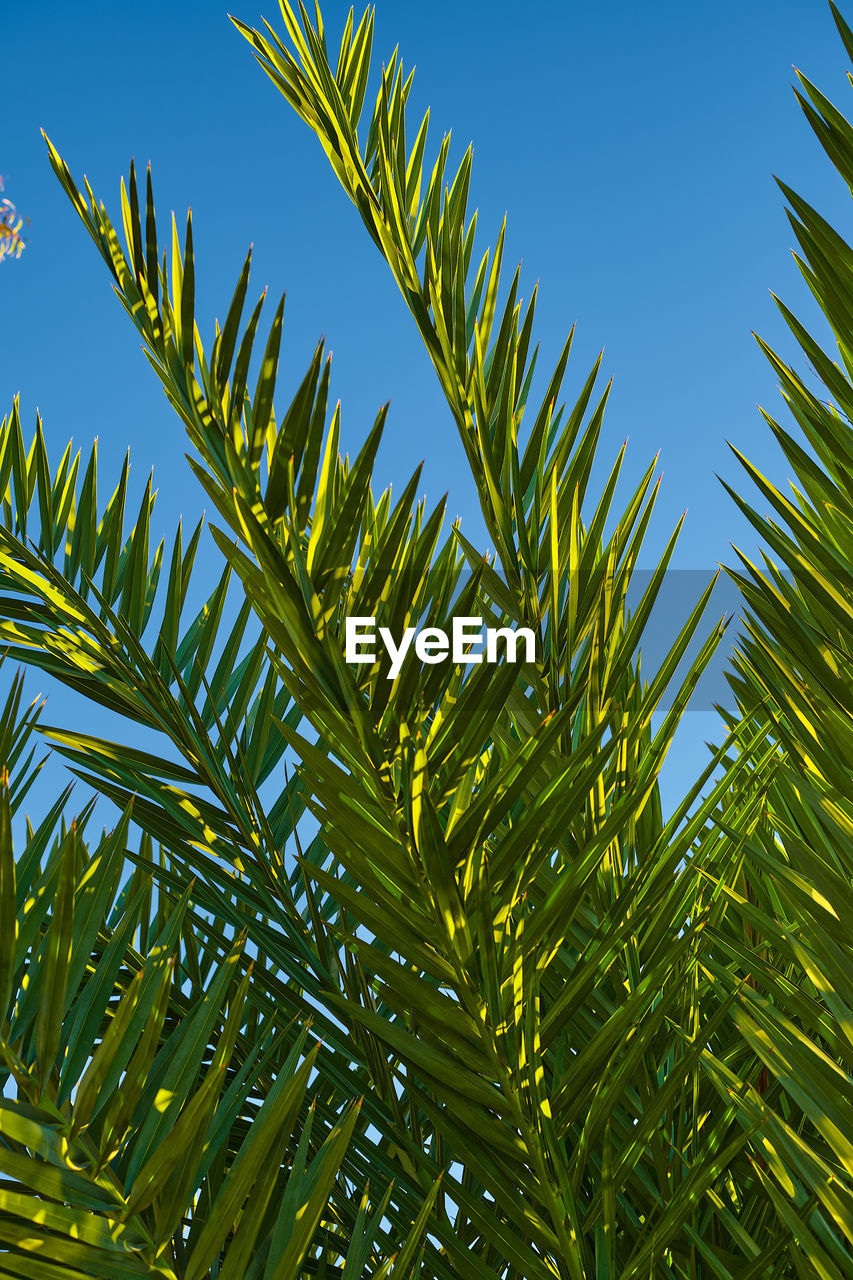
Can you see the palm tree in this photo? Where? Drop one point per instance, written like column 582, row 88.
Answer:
column 406, row 975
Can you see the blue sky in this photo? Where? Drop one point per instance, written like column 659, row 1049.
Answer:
column 631, row 145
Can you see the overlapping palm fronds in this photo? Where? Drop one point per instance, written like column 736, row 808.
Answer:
column 475, row 849
column 151, row 1123
column 412, row 975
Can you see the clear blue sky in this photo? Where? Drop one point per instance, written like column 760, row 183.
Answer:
column 631, row 145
